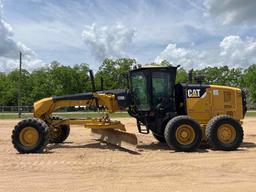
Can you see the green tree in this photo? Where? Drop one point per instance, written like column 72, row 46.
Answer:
column 248, row 82
column 58, row 79
column 220, row 75
column 82, row 78
column 182, row 76
column 113, row 72
column 11, row 88
column 3, row 88
column 67, row 80
column 166, row 63
column 42, row 84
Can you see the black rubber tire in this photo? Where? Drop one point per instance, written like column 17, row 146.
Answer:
column 43, row 131
column 170, row 133
column 212, row 128
column 161, row 139
column 65, row 130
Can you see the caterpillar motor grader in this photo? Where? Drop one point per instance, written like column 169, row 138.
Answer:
column 182, row 115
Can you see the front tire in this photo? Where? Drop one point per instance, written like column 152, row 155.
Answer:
column 224, row 133
column 30, row 136
column 183, row 133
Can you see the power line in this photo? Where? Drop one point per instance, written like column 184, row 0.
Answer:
column 19, row 84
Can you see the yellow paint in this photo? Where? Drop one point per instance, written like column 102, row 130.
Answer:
column 228, row 100
column 226, row 133
column 219, row 100
column 92, row 123
column 45, row 107
column 28, row 136
column 185, row 134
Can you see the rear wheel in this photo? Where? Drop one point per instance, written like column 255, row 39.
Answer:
column 183, row 134
column 224, row 133
column 59, row 133
column 159, row 138
column 30, row 136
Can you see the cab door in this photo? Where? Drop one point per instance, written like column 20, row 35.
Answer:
column 162, row 90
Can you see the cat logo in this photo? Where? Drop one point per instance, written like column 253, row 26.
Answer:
column 194, row 93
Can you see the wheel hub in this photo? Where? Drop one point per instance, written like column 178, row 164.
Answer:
column 185, row 134
column 56, row 132
column 28, row 136
column 226, row 133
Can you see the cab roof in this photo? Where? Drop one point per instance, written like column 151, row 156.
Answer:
column 152, row 66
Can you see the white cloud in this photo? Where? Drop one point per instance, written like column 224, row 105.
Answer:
column 1, row 8
column 232, row 11
column 187, row 58
column 108, row 41
column 232, row 51
column 9, row 49
column 53, row 29
column 238, row 52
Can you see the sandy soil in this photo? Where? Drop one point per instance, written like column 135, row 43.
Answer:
column 82, row 164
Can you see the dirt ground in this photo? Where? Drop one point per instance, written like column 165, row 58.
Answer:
column 83, row 164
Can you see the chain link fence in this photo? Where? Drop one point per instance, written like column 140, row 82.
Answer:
column 10, row 109
column 29, row 109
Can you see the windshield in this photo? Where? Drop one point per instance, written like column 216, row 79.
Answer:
column 139, row 90
column 162, row 87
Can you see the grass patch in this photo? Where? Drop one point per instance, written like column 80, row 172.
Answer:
column 251, row 114
column 14, row 115
column 66, row 115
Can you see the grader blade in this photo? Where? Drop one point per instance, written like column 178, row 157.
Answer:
column 121, row 139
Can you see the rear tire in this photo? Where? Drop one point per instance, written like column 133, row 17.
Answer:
column 30, row 136
column 59, row 133
column 161, row 139
column 183, row 133
column 224, row 133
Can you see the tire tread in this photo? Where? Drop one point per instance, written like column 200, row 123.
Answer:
column 168, row 133
column 210, row 135
column 41, row 127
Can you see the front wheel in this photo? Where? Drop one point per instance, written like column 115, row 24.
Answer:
column 183, row 133
column 30, row 136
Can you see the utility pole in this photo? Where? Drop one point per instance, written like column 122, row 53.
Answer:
column 19, row 95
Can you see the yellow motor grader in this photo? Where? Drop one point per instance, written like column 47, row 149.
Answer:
column 181, row 115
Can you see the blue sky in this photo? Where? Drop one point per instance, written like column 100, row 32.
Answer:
column 191, row 33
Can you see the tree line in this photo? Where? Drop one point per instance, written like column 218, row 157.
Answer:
column 58, row 79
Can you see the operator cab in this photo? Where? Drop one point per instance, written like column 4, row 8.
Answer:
column 152, row 88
